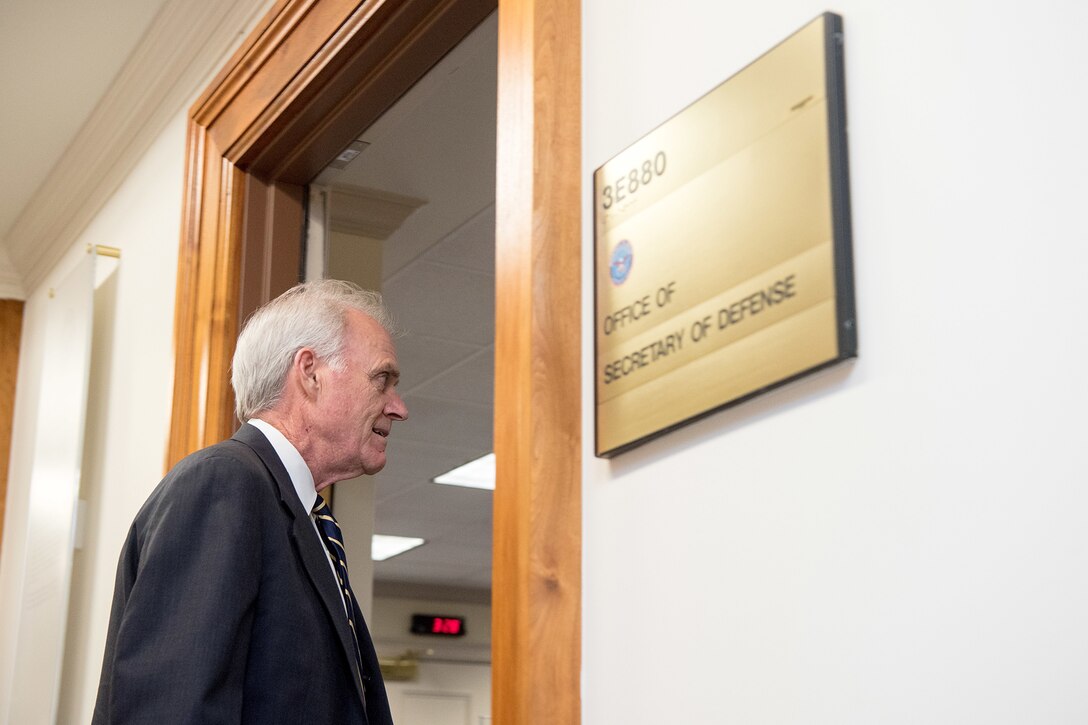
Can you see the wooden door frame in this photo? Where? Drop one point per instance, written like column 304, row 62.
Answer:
column 11, row 335
column 311, row 75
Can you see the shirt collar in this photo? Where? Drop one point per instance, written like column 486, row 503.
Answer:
column 292, row 460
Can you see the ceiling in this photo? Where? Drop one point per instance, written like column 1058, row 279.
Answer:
column 87, row 87
column 437, row 145
column 49, row 88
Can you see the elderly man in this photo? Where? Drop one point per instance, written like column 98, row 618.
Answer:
column 232, row 603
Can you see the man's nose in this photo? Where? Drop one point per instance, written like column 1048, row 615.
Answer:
column 396, row 409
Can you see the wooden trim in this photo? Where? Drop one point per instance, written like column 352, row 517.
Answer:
column 309, row 78
column 366, row 80
column 11, row 332
column 207, row 304
column 275, row 219
column 536, row 583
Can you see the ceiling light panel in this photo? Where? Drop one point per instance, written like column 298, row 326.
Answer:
column 474, row 474
column 384, row 546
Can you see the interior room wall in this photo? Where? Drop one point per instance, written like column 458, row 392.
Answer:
column 355, row 257
column 128, row 418
column 391, row 626
column 453, row 690
column 353, row 504
column 458, row 668
column 898, row 540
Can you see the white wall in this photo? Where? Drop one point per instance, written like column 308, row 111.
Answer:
column 390, row 627
column 454, row 669
column 455, row 690
column 129, row 406
column 901, row 540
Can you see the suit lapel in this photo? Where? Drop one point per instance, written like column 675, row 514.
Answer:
column 377, row 702
column 307, row 545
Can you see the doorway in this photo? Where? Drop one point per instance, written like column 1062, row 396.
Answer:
column 408, row 209
column 307, row 79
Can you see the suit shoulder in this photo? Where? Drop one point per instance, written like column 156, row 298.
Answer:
column 228, row 454
column 229, row 469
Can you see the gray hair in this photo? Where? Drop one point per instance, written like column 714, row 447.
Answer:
column 308, row 315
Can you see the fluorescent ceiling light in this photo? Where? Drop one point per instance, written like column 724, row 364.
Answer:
column 474, row 474
column 384, row 547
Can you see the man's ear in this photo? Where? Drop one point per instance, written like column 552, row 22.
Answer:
column 304, row 367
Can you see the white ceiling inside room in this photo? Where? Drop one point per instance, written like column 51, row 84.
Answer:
column 437, row 146
column 49, row 88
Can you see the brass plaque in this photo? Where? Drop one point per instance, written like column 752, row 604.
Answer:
column 722, row 241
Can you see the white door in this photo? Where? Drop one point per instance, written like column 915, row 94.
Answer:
column 429, row 708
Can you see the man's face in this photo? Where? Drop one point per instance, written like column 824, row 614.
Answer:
column 356, row 406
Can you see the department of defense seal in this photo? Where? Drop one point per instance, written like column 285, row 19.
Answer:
column 620, row 265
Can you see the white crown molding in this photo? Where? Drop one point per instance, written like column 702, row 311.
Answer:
column 185, row 45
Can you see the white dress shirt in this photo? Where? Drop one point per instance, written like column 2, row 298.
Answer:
column 303, row 481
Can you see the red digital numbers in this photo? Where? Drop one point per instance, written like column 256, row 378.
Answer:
column 446, row 625
column 438, row 624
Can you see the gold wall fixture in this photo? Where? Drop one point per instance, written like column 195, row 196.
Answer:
column 104, row 251
column 723, row 249
column 402, row 668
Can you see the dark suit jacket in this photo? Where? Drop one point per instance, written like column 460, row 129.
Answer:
column 225, row 609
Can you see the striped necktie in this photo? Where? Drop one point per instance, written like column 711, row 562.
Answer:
column 334, row 542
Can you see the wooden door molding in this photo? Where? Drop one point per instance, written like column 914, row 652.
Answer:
column 536, row 581
column 301, row 87
column 11, row 326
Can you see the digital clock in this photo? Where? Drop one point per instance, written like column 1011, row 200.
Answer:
column 438, row 624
